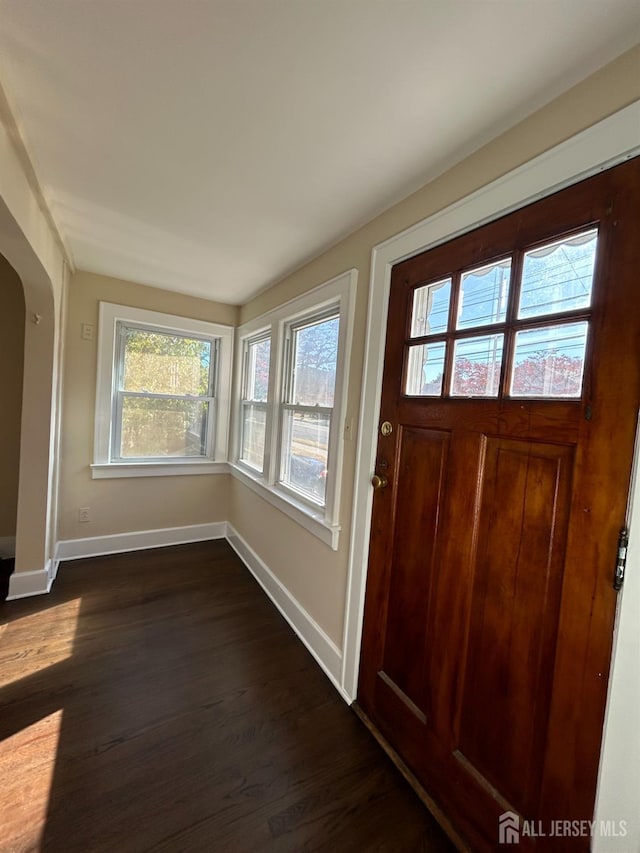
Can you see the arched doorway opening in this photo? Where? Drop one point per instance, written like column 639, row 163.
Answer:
column 34, row 509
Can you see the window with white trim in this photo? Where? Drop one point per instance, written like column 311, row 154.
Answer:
column 253, row 416
column 291, row 408
column 306, row 408
column 162, row 402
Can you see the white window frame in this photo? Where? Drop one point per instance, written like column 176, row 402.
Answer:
column 285, row 404
column 245, row 401
column 103, row 465
column 338, row 293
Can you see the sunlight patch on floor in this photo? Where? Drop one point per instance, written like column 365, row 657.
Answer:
column 25, row 649
column 30, row 757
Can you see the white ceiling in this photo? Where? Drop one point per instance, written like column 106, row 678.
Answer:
column 211, row 146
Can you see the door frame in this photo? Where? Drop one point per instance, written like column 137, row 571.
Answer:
column 602, row 146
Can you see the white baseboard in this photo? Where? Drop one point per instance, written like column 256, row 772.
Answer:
column 7, row 547
column 26, row 584
column 323, row 649
column 116, row 543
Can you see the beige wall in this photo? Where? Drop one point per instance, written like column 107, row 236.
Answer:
column 318, row 578
column 123, row 504
column 11, row 373
column 288, row 550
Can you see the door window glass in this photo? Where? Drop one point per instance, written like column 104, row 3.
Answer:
column 483, row 295
column 477, row 363
column 425, row 370
column 430, row 313
column 537, row 303
column 549, row 361
column 559, row 276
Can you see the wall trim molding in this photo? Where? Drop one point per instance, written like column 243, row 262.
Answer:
column 323, row 649
column 605, row 144
column 37, row 582
column 116, row 543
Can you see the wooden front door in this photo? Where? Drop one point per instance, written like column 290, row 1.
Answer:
column 510, row 392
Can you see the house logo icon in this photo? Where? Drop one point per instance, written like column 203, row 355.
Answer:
column 509, row 828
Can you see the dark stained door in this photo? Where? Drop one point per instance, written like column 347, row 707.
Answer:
column 511, row 384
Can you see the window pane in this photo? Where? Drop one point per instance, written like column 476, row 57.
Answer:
column 253, row 430
column 258, row 353
column 558, row 277
column 165, row 364
column 430, row 314
column 425, row 369
column 483, row 295
column 549, row 362
column 476, row 366
column 153, row 427
column 305, row 446
column 315, row 352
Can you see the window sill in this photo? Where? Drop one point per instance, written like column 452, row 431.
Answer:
column 111, row 470
column 304, row 515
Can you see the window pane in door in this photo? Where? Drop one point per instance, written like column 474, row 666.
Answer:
column 157, row 427
column 559, row 276
column 549, row 362
column 430, row 312
column 476, row 366
column 483, row 295
column 156, row 363
column 425, row 370
column 305, row 450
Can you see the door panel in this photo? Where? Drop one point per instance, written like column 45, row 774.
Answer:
column 522, row 527
column 421, row 468
column 489, row 608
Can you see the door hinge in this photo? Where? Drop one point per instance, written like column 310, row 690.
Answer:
column 621, row 561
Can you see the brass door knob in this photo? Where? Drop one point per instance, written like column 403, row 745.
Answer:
column 379, row 481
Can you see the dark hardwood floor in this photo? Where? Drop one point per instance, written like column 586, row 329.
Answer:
column 157, row 701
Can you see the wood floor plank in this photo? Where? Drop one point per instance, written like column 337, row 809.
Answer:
column 156, row 701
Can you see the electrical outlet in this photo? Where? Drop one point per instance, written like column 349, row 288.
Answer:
column 84, row 514
column 87, row 331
